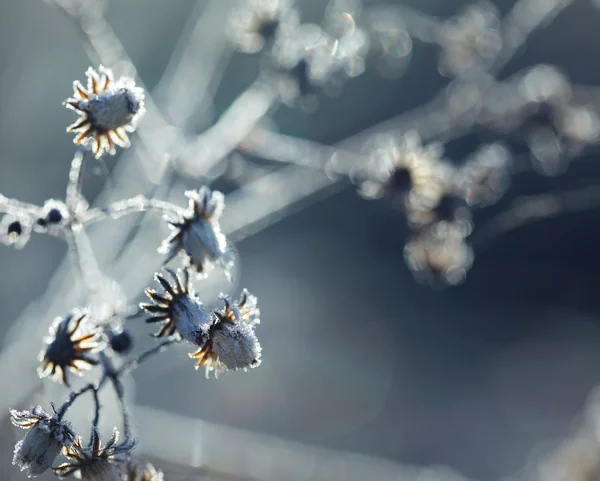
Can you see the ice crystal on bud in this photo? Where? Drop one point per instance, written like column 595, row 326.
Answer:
column 485, row 177
column 46, row 435
column 108, row 109
column 15, row 230
column 439, row 254
column 197, row 233
column 471, row 40
column 232, row 342
column 179, row 309
column 257, row 22
column 68, row 346
column 54, row 216
column 96, row 462
column 406, row 171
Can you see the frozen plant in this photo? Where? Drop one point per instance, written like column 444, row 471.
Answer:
column 536, row 119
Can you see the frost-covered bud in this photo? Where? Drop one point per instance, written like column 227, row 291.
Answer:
column 68, row 347
column 198, row 234
column 108, row 109
column 120, row 341
column 46, row 436
column 55, row 215
column 15, row 230
column 408, row 172
column 471, row 40
column 232, row 342
column 439, row 254
column 178, row 308
column 146, row 472
column 96, row 462
column 255, row 23
column 486, row 175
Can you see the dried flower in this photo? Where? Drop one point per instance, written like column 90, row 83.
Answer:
column 147, row 472
column 257, row 22
column 470, row 40
column 108, row 109
column 96, row 463
column 408, row 172
column 15, row 230
column 232, row 343
column 55, row 215
column 179, row 309
column 46, row 436
column 485, row 177
column 198, row 234
column 68, row 347
column 439, row 254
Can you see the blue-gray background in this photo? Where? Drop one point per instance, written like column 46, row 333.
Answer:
column 357, row 356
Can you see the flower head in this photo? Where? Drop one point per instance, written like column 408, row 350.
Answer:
column 257, row 22
column 485, row 177
column 68, row 347
column 15, row 230
column 198, row 234
column 439, row 254
column 179, row 309
column 46, row 435
column 108, row 109
column 96, row 462
column 232, row 343
column 408, row 172
column 471, row 40
column 138, row 472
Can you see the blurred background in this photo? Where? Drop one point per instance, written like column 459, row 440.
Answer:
column 366, row 373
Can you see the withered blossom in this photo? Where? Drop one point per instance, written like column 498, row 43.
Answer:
column 255, row 23
column 46, row 436
column 197, row 233
column 408, row 172
column 485, row 176
column 96, row 462
column 439, row 254
column 178, row 308
column 471, row 40
column 68, row 348
column 107, row 110
column 232, row 342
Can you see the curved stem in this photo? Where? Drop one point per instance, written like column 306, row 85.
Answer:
column 133, row 205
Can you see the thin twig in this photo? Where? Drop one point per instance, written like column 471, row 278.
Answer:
column 135, row 362
column 74, row 188
column 73, row 397
column 134, row 205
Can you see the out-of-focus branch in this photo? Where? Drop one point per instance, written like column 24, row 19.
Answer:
column 213, row 145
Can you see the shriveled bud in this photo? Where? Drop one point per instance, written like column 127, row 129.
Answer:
column 36, row 452
column 197, row 233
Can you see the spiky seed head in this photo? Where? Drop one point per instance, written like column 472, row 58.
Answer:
column 107, row 110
